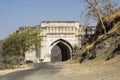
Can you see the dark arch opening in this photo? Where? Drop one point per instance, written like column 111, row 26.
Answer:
column 62, row 54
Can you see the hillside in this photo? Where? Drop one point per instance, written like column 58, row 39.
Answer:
column 104, row 46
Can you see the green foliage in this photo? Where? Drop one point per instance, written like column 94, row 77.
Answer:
column 17, row 43
column 6, row 61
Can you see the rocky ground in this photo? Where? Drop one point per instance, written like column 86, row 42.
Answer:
column 70, row 70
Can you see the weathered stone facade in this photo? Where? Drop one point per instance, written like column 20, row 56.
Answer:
column 65, row 34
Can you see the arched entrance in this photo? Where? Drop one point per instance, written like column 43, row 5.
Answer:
column 61, row 50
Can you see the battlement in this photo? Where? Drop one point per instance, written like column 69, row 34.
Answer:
column 60, row 24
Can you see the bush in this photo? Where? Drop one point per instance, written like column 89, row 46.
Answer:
column 6, row 64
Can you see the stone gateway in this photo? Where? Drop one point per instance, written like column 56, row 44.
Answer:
column 63, row 35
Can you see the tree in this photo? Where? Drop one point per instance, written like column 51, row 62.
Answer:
column 98, row 8
column 17, row 43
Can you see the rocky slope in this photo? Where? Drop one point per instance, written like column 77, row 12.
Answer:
column 104, row 46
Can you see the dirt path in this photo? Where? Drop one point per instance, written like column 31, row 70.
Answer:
column 93, row 70
column 70, row 70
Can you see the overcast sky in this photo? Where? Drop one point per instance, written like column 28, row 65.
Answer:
column 16, row 13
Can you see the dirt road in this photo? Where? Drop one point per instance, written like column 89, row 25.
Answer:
column 70, row 70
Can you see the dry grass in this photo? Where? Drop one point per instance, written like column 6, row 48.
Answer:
column 23, row 67
column 115, row 28
column 89, row 46
column 107, row 18
column 112, row 16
